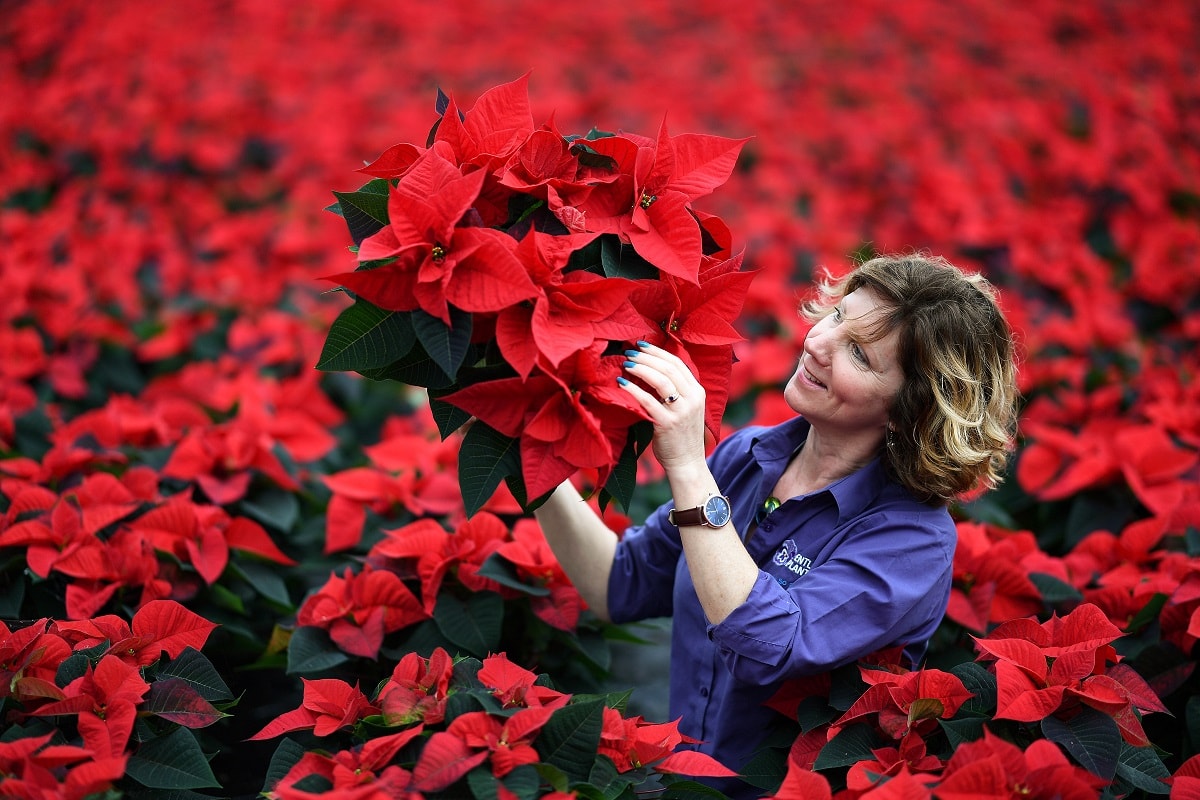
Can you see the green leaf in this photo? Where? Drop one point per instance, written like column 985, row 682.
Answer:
column 446, row 344
column 593, row 646
column 265, row 579
column 416, row 368
column 12, row 593
column 174, row 761
column 176, row 700
column 365, row 211
column 365, row 336
column 981, row 683
column 691, row 790
column 274, row 507
column 846, row 686
column 813, row 712
column 1147, row 614
column 1141, row 767
column 1091, row 737
column 604, row 781
column 473, row 625
column 620, row 260
column 448, row 418
column 503, row 572
column 154, row 794
column 1054, row 592
column 1192, row 717
column 570, row 739
column 485, row 459
column 766, row 769
column 225, row 598
column 623, row 479
column 459, row 703
column 72, row 667
column 286, row 756
column 311, row 650
column 851, row 745
column 194, row 667
column 960, row 731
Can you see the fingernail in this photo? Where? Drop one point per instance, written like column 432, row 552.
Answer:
column 629, row 365
column 631, row 353
column 621, row 381
column 642, row 344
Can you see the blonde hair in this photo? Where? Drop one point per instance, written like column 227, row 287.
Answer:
column 953, row 420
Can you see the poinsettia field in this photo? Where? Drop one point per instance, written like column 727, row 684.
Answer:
column 227, row 572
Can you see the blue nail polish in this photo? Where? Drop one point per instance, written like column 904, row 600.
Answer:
column 642, row 344
column 621, row 381
column 629, row 365
column 632, row 353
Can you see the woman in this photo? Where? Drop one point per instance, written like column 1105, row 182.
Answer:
column 797, row 548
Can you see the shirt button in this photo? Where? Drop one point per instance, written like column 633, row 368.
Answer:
column 766, row 526
column 704, row 691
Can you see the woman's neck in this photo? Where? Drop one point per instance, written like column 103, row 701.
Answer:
column 821, row 461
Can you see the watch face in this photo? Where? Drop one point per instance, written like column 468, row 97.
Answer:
column 717, row 511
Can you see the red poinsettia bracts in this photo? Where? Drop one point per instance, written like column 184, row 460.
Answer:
column 515, row 687
column 406, row 472
column 695, row 321
column 650, row 205
column 417, row 689
column 1044, row 668
column 570, row 311
column 359, row 609
column 535, row 240
column 631, row 742
column 33, row 767
column 570, row 418
column 438, row 260
column 535, row 562
column 991, row 767
column 366, row 772
column 328, row 705
column 906, row 701
column 990, row 583
column 427, row 548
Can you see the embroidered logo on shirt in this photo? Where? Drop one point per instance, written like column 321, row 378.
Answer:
column 790, row 557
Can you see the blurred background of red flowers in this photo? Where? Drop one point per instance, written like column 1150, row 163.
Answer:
column 164, row 170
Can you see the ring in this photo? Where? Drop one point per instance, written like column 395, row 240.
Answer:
column 671, row 398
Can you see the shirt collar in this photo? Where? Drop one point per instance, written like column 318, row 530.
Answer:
column 773, row 448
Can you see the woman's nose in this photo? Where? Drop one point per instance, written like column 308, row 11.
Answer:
column 816, row 344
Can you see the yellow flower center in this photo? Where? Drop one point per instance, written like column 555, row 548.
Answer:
column 647, row 200
column 439, row 254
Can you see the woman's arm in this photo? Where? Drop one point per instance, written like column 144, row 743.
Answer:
column 581, row 542
column 721, row 569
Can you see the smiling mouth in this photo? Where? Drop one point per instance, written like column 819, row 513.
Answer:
column 811, row 378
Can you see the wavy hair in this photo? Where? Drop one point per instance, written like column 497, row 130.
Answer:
column 953, row 421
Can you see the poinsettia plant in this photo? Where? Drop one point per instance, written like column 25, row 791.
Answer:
column 506, row 267
column 1056, row 690
column 103, row 702
column 445, row 727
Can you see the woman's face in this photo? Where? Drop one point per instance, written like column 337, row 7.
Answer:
column 843, row 383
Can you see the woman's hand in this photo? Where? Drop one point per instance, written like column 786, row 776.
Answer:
column 675, row 401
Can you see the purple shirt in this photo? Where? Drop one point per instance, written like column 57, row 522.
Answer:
column 850, row 569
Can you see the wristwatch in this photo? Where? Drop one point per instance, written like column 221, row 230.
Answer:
column 715, row 512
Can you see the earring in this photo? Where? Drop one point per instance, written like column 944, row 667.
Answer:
column 889, row 436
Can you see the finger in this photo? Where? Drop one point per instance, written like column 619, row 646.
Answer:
column 651, row 374
column 666, row 362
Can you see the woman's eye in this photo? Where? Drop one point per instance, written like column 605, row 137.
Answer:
column 858, row 353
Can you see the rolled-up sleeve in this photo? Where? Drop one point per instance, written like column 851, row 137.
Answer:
column 642, row 580
column 886, row 583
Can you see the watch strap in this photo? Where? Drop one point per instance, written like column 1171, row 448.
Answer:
column 686, row 516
